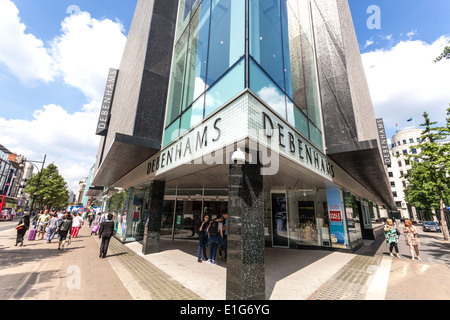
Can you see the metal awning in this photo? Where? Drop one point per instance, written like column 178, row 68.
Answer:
column 362, row 160
column 125, row 154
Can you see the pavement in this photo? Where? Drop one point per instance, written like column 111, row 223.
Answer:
column 39, row 271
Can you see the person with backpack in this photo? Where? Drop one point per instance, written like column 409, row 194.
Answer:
column 64, row 228
column 214, row 239
column 203, row 238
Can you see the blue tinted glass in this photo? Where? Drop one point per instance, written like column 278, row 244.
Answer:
column 172, row 132
column 286, row 55
column 192, row 116
column 315, row 136
column 194, row 84
column 187, row 8
column 297, row 118
column 264, row 88
column 227, row 88
column 227, row 37
column 265, row 37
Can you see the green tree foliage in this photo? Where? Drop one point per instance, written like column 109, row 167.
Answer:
column 52, row 190
column 429, row 178
column 444, row 55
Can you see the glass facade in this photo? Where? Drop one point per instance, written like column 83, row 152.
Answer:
column 212, row 62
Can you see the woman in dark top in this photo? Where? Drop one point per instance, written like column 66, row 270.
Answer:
column 22, row 227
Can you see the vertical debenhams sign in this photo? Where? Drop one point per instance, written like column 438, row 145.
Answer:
column 105, row 110
column 383, row 141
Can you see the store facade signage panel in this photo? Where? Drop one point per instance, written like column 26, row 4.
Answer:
column 214, row 140
column 105, row 110
column 383, row 140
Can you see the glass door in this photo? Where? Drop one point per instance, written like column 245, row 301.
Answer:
column 280, row 235
column 187, row 214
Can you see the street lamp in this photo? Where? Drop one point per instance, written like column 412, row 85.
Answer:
column 39, row 178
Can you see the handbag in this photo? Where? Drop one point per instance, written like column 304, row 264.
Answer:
column 19, row 227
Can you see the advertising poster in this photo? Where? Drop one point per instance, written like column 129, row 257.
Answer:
column 336, row 217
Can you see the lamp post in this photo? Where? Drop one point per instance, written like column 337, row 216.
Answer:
column 39, row 179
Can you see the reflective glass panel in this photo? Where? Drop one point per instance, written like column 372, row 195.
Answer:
column 227, row 37
column 265, row 38
column 224, row 90
column 196, row 65
column 268, row 91
column 177, row 79
column 315, row 136
column 297, row 118
column 192, row 116
column 172, row 132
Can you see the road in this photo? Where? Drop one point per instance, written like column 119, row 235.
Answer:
column 432, row 246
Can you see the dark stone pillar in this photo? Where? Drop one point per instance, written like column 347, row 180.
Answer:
column 245, row 261
column 150, row 243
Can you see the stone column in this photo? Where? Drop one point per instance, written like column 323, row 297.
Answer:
column 245, row 261
column 150, row 243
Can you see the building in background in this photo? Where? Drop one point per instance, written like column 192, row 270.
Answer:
column 81, row 190
column 403, row 142
column 258, row 109
column 11, row 172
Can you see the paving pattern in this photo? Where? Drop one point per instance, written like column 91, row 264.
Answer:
column 159, row 285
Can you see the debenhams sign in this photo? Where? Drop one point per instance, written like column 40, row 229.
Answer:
column 105, row 110
column 203, row 145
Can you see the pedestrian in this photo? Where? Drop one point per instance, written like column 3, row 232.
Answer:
column 22, row 227
column 77, row 222
column 412, row 239
column 51, row 227
column 203, row 239
column 64, row 228
column 42, row 224
column 90, row 217
column 224, row 233
column 391, row 233
column 214, row 238
column 105, row 232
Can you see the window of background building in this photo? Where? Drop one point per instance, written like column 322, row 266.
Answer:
column 392, row 184
column 391, row 175
column 404, row 141
column 394, row 193
column 411, row 140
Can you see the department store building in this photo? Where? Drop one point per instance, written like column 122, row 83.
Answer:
column 256, row 108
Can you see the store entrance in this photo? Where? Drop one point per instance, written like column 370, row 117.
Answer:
column 182, row 217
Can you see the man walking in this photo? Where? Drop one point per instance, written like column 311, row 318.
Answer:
column 42, row 224
column 105, row 232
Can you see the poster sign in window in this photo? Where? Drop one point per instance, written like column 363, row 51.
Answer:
column 337, row 227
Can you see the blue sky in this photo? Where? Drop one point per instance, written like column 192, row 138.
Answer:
column 53, row 66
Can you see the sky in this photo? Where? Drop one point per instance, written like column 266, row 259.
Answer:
column 55, row 56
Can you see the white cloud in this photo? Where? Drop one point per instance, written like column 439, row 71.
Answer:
column 81, row 55
column 86, row 50
column 67, row 139
column 404, row 82
column 23, row 54
column 368, row 43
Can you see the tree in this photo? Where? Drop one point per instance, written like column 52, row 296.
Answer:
column 444, row 55
column 52, row 190
column 429, row 177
